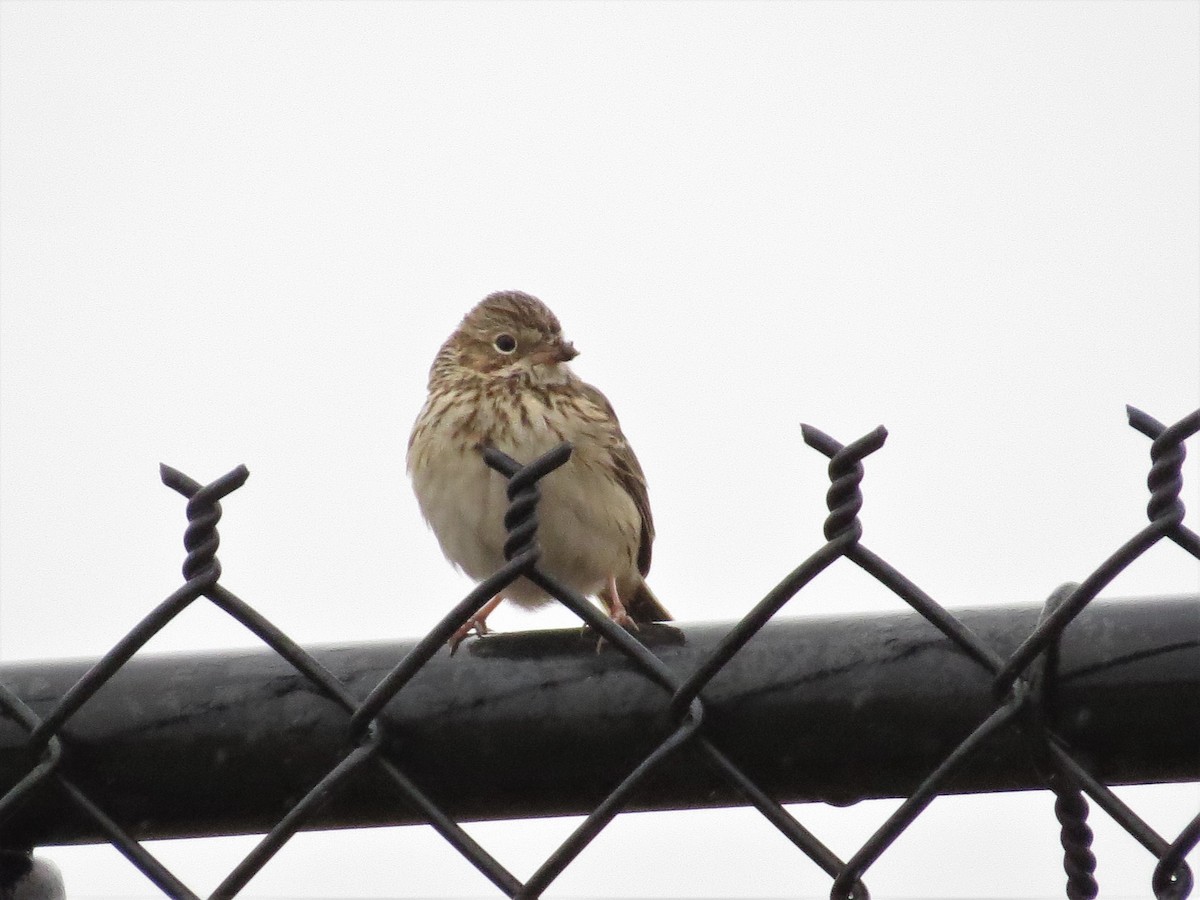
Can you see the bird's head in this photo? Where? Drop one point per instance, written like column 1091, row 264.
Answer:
column 509, row 334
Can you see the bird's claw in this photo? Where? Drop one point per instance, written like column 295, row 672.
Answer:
column 473, row 624
column 625, row 621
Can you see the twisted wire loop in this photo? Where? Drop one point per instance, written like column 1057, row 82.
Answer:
column 1165, row 481
column 844, row 499
column 1070, row 806
column 1071, row 810
column 520, row 518
column 200, row 538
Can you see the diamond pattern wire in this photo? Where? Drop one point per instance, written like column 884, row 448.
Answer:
column 1023, row 683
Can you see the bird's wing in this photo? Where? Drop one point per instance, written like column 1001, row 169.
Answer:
column 629, row 473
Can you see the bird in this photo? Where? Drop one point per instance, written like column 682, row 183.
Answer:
column 503, row 379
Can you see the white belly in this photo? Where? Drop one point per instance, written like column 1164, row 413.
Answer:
column 588, row 527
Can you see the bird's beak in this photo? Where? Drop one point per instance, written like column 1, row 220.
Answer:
column 559, row 352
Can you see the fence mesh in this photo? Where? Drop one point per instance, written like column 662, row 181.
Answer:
column 1022, row 684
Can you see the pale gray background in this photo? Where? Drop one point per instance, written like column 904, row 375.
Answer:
column 239, row 232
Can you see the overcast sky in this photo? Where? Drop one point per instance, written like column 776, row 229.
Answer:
column 239, row 232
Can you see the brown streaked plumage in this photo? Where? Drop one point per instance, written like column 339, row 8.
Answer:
column 502, row 379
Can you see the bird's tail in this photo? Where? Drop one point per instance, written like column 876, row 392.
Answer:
column 643, row 606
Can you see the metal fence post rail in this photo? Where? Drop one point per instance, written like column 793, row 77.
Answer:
column 1074, row 697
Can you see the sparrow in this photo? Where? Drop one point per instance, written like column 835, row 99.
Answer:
column 503, row 380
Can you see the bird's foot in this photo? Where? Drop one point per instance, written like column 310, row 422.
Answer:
column 474, row 624
column 477, row 623
column 611, row 599
column 622, row 618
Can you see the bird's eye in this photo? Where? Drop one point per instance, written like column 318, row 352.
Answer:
column 505, row 343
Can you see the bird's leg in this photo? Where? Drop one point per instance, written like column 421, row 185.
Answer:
column 477, row 623
column 615, row 609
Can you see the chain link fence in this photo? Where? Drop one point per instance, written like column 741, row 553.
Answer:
column 1023, row 685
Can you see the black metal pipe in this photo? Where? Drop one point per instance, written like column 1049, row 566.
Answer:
column 540, row 723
